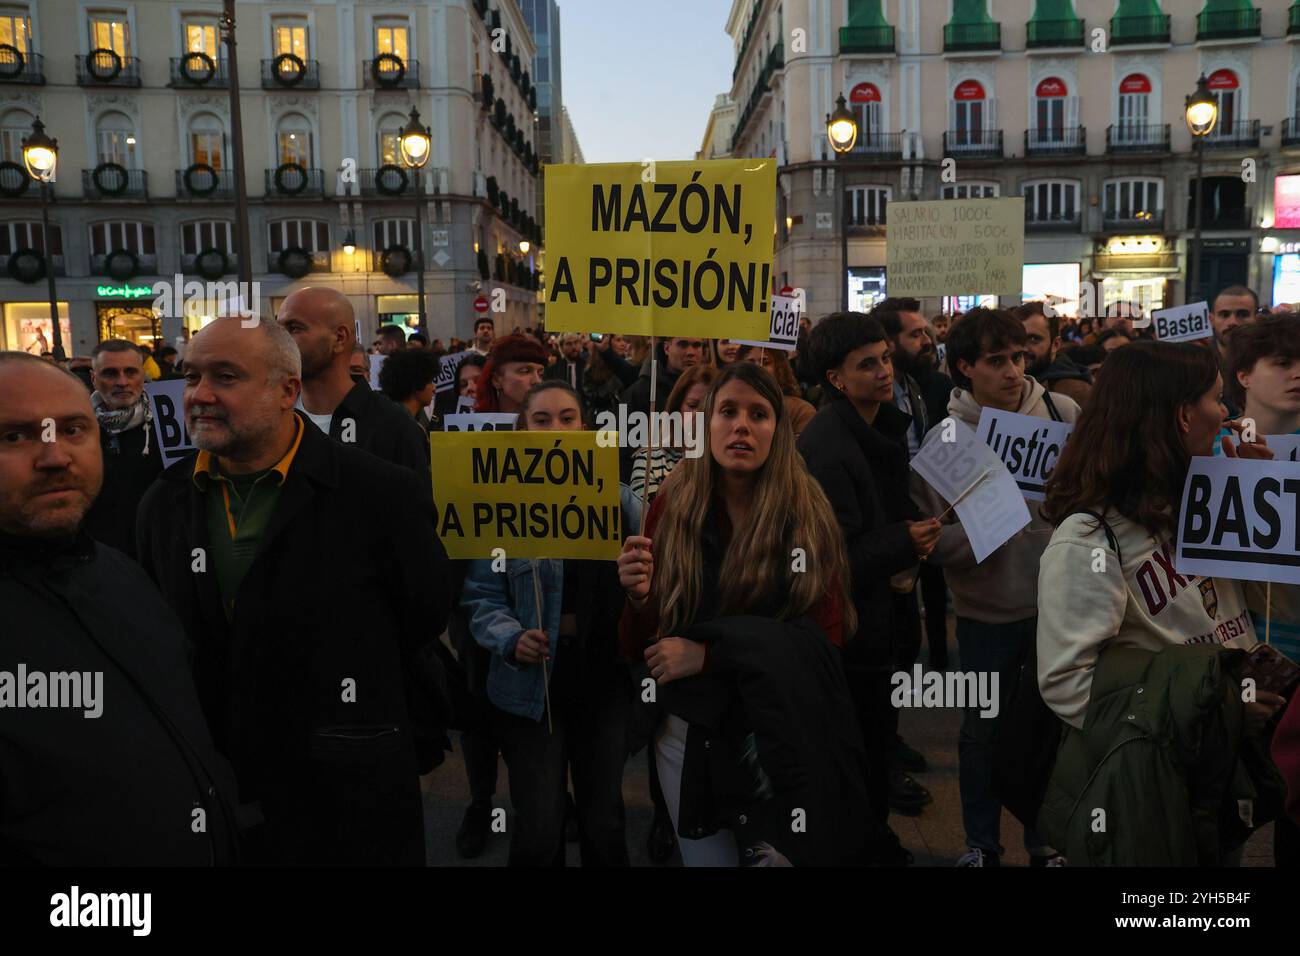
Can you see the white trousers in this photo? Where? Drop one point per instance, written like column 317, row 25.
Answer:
column 670, row 754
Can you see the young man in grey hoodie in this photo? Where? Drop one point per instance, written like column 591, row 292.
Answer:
column 996, row 601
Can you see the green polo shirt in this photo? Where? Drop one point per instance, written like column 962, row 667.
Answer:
column 239, row 508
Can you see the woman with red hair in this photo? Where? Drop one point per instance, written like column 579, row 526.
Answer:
column 514, row 365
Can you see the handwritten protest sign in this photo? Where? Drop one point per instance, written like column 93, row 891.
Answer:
column 535, row 494
column 464, row 403
column 950, row 247
column 995, row 509
column 1028, row 446
column 1285, row 447
column 480, row 422
column 1238, row 520
column 171, row 437
column 670, row 248
column 784, row 331
column 1186, row 323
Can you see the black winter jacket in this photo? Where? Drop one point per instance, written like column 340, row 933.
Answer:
column 128, row 473
column 121, row 788
column 383, row 428
column 863, row 470
column 339, row 591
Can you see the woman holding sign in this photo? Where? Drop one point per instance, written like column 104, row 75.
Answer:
column 557, row 682
column 1108, row 586
column 732, row 595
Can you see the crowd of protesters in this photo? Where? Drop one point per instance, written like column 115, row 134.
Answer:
column 286, row 648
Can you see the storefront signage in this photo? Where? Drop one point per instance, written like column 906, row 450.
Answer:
column 1286, row 202
column 1134, row 245
column 124, row 291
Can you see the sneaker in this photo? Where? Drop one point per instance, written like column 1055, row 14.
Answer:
column 977, row 857
column 908, row 758
column 472, row 836
column 906, row 796
column 661, row 841
column 1055, row 859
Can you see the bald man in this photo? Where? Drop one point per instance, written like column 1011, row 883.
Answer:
column 321, row 322
column 312, row 631
column 111, row 763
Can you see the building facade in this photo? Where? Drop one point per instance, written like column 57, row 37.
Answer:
column 1076, row 105
column 137, row 95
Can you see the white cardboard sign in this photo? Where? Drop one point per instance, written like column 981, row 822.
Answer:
column 172, row 438
column 480, row 422
column 785, row 325
column 1185, row 323
column 1028, row 446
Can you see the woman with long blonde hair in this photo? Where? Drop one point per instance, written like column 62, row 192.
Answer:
column 741, row 531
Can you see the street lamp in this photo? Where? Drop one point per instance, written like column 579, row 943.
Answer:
column 414, row 146
column 842, row 131
column 350, row 243
column 524, row 246
column 41, row 157
column 1201, row 114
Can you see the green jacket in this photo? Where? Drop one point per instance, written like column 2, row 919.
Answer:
column 1160, row 774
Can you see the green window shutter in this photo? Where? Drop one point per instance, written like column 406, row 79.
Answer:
column 1139, row 8
column 1226, row 6
column 970, row 11
column 1049, row 10
column 866, row 13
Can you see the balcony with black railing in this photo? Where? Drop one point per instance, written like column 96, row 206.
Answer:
column 15, row 183
column 198, row 71
column 122, row 265
column 1291, row 131
column 973, row 143
column 1056, row 141
column 21, row 67
column 27, row 269
column 114, row 181
column 867, row 39
column 1054, row 33
column 294, row 181
column 873, row 146
column 201, row 181
column 386, row 181
column 1137, row 138
column 1228, row 24
column 289, row 261
column 1241, row 134
column 108, row 68
column 1133, row 220
column 390, row 72
column 200, row 263
column 1052, row 221
column 1125, row 31
column 866, row 224
column 967, row 37
column 288, row 71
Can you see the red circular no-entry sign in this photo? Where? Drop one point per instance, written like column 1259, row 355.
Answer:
column 481, row 305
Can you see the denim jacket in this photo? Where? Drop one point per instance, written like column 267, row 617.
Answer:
column 502, row 605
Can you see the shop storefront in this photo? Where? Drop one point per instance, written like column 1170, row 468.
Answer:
column 27, row 327
column 402, row 311
column 136, row 323
column 1136, row 270
column 866, row 288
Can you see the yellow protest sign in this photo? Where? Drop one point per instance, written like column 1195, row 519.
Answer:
column 955, row 247
column 535, row 494
column 672, row 248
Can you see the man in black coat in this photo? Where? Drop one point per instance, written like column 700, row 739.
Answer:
column 855, row 448
column 323, row 325
column 105, row 759
column 312, row 612
column 131, row 459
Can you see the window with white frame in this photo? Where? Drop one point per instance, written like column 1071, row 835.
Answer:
column 200, row 236
column 1134, row 200
column 207, row 141
column 1054, row 111
column 866, row 204
column 16, row 28
column 394, row 232
column 1226, row 88
column 971, row 112
column 15, row 126
column 971, row 191
column 110, row 30
column 200, row 35
column 133, row 237
column 29, row 235
column 289, row 35
column 865, row 103
column 115, row 140
column 393, row 35
column 1132, row 124
column 293, row 140
column 310, row 234
column 1051, row 200
column 389, row 139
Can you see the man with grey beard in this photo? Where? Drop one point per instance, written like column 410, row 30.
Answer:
column 105, row 759
column 312, row 630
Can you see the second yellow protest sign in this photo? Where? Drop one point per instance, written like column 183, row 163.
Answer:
column 534, row 494
column 672, row 248
column 955, row 247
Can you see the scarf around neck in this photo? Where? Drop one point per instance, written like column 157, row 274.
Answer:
column 117, row 420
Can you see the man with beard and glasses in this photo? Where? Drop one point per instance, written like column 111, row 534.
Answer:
column 131, row 462
column 1045, row 363
column 115, row 765
column 313, row 631
column 321, row 322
